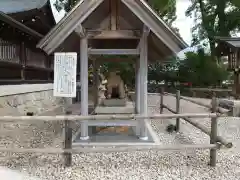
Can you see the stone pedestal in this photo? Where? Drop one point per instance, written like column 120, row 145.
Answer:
column 114, row 102
column 127, row 109
column 114, row 106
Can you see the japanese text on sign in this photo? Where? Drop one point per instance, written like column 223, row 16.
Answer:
column 65, row 70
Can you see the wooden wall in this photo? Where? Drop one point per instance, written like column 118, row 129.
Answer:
column 22, row 64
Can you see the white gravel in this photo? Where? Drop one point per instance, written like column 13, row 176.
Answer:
column 191, row 164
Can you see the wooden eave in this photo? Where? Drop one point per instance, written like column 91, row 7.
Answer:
column 40, row 19
column 227, row 44
column 14, row 23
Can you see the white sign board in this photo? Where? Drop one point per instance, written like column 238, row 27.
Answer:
column 65, row 72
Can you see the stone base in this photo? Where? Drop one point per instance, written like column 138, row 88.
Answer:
column 124, row 136
column 34, row 98
column 114, row 102
column 128, row 109
column 121, row 129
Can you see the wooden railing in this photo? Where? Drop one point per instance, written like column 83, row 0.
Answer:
column 9, row 52
column 23, row 61
column 212, row 132
column 216, row 142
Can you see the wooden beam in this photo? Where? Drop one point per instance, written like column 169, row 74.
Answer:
column 22, row 56
column 20, row 81
column 113, row 16
column 113, row 51
column 124, row 59
column 116, row 34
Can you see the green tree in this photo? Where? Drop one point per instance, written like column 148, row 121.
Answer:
column 198, row 69
column 167, row 72
column 214, row 18
column 166, row 9
column 125, row 68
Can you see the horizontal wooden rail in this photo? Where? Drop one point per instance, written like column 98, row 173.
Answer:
column 19, row 81
column 106, row 117
column 107, row 149
column 210, row 90
column 220, row 110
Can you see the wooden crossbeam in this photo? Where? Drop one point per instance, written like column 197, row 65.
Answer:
column 114, row 34
column 113, row 51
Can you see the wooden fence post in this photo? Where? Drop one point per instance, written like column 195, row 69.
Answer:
column 67, row 141
column 161, row 99
column 213, row 135
column 177, row 110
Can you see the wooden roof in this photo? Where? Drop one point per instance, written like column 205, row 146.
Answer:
column 14, row 23
column 227, row 45
column 231, row 41
column 35, row 14
column 15, row 6
column 93, row 15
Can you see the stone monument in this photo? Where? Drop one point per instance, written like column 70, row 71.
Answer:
column 116, row 95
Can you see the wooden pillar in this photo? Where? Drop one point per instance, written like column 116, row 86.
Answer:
column 137, row 95
column 49, row 60
column 113, row 15
column 143, row 85
column 137, row 87
column 84, row 86
column 95, row 82
column 237, row 74
column 23, row 60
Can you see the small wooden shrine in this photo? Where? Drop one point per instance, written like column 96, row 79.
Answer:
column 114, row 27
column 230, row 47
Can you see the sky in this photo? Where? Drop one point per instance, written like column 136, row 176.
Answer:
column 183, row 23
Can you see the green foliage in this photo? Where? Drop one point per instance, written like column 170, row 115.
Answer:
column 214, row 18
column 166, row 9
column 125, row 68
column 67, row 5
column 167, row 72
column 198, row 69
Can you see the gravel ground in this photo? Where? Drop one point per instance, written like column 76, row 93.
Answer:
column 190, row 164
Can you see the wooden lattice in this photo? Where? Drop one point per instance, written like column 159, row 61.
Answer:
column 9, row 52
